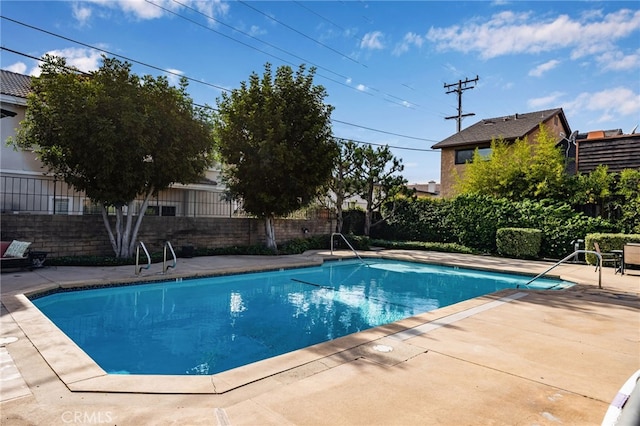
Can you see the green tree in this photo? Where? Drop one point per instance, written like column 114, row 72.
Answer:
column 627, row 199
column 341, row 186
column 274, row 135
column 593, row 188
column 377, row 181
column 518, row 170
column 115, row 136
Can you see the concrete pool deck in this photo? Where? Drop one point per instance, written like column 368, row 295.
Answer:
column 516, row 357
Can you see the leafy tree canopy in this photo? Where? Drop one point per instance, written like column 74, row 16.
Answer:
column 115, row 136
column 377, row 180
column 517, row 171
column 341, row 185
column 274, row 137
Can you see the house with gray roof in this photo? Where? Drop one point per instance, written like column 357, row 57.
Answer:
column 458, row 149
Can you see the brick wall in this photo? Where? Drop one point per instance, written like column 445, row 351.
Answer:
column 86, row 235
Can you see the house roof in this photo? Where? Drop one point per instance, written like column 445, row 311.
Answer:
column 509, row 127
column 14, row 84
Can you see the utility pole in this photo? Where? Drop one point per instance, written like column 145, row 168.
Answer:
column 458, row 88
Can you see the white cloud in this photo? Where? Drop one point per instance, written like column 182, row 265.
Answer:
column 83, row 59
column 174, row 76
column 618, row 61
column 361, row 87
column 142, row 9
column 609, row 103
column 509, row 33
column 550, row 100
column 372, row 41
column 81, row 13
column 18, row 67
column 255, row 31
column 410, row 39
column 543, row 68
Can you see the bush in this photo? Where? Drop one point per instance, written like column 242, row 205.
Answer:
column 559, row 223
column 422, row 219
column 521, row 243
column 607, row 242
column 473, row 221
column 419, row 245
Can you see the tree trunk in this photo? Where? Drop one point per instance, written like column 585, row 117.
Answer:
column 123, row 242
column 367, row 221
column 369, row 211
column 339, row 218
column 271, row 234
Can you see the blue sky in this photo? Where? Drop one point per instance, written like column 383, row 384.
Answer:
column 384, row 63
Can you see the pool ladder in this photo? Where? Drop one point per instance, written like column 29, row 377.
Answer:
column 165, row 266
column 574, row 254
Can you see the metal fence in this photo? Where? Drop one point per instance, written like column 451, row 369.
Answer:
column 46, row 195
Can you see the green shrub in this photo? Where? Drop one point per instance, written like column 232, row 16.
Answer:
column 521, row 243
column 607, row 242
column 559, row 223
column 474, row 219
column 419, row 245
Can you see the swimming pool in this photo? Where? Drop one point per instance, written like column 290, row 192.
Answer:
column 208, row 325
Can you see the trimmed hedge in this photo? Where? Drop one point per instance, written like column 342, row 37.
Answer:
column 607, row 242
column 419, row 245
column 473, row 221
column 521, row 243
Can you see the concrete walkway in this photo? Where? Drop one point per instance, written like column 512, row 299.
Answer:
column 518, row 357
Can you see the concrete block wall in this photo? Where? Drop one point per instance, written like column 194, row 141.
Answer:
column 86, row 235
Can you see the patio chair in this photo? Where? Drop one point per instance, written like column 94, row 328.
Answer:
column 608, row 257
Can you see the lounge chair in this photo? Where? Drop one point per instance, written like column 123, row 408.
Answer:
column 608, row 257
column 15, row 254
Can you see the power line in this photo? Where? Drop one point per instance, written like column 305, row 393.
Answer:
column 385, row 132
column 346, row 31
column 215, row 109
column 405, row 103
column 301, row 33
column 390, row 146
column 114, row 54
column 239, row 31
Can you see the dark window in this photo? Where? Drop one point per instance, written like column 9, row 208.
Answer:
column 168, row 210
column 466, row 155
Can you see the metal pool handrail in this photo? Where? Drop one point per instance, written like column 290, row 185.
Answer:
column 567, row 258
column 139, row 269
column 350, row 246
column 165, row 267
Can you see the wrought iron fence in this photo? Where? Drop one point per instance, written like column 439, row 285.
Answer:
column 46, row 195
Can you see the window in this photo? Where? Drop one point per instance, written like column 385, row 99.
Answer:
column 60, row 205
column 160, row 210
column 466, row 155
column 168, row 210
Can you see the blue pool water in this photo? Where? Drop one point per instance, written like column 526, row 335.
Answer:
column 209, row 325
